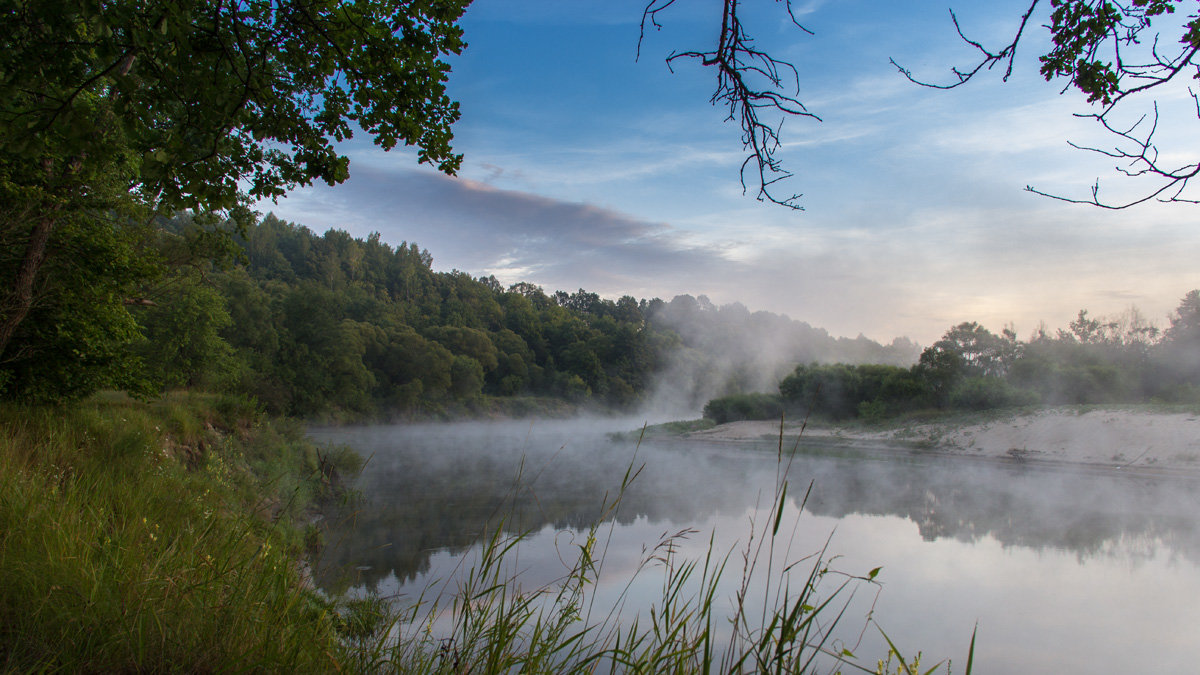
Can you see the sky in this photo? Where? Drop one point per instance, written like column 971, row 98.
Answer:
column 587, row 167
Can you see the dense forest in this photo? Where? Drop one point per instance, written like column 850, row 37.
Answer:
column 319, row 325
column 1122, row 359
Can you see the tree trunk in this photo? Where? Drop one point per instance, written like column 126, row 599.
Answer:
column 19, row 298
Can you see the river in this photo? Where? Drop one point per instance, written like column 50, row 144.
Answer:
column 1062, row 570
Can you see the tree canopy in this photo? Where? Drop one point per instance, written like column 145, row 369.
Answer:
column 111, row 111
column 210, row 99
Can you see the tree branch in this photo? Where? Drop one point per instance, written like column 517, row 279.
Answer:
column 749, row 83
column 1082, row 31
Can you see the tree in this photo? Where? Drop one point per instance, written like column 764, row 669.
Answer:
column 1185, row 324
column 200, row 104
column 182, row 345
column 979, row 351
column 1101, row 49
column 1182, row 341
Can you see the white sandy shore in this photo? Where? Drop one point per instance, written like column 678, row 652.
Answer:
column 1114, row 438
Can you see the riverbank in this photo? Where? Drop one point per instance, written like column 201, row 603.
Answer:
column 162, row 536
column 1141, row 438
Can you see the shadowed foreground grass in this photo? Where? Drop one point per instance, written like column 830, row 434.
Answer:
column 165, row 537
column 140, row 537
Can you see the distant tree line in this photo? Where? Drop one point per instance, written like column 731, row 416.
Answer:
column 1121, row 360
column 312, row 324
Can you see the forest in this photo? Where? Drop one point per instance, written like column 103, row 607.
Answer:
column 331, row 325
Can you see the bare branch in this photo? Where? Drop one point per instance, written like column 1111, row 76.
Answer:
column 749, row 83
column 989, row 60
column 1143, row 161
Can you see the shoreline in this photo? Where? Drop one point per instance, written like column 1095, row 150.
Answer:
column 1162, row 443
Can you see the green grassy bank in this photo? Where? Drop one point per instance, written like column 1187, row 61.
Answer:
column 159, row 537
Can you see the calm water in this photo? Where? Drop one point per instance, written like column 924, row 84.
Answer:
column 1063, row 571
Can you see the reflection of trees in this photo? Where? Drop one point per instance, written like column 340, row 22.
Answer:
column 425, row 492
column 1081, row 510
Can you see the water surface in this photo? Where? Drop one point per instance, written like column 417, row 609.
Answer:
column 1062, row 570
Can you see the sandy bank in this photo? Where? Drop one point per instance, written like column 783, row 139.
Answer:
column 1113, row 438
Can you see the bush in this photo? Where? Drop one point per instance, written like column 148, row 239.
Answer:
column 744, row 407
column 982, row 393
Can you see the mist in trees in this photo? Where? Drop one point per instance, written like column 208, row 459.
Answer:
column 1114, row 360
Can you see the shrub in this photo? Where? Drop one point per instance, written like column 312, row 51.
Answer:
column 744, row 407
column 981, row 393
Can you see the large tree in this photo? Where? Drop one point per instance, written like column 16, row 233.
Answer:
column 196, row 104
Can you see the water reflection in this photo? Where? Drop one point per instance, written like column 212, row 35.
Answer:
column 436, row 488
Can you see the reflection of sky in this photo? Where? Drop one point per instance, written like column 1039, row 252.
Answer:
column 1088, row 572
column 587, row 169
column 1037, row 611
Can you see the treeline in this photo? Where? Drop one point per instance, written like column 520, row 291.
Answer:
column 1120, row 360
column 312, row 324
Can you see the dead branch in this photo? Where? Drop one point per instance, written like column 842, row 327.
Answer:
column 750, row 84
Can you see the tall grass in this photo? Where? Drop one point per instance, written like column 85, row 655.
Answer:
column 139, row 538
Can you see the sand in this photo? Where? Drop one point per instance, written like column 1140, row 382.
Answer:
column 1114, row 438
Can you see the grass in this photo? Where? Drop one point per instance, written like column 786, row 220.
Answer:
column 664, row 430
column 140, row 537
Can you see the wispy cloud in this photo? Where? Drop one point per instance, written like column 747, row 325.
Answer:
column 617, row 177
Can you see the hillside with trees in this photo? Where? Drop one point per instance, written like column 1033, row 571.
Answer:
column 311, row 325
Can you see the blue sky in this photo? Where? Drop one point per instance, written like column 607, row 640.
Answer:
column 587, row 169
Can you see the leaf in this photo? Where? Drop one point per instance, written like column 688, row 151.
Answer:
column 779, row 513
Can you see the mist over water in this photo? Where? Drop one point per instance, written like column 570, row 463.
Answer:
column 1064, row 570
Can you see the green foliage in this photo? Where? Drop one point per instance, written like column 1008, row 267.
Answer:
column 75, row 337
column 838, row 391
column 206, row 95
column 336, row 325
column 1081, row 31
column 182, row 346
column 112, row 111
column 466, row 378
column 1124, row 359
column 984, row 393
column 744, row 407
